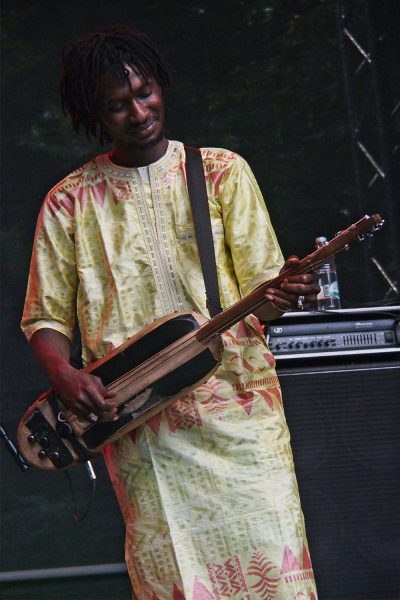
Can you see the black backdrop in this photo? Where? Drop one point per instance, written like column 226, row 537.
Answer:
column 261, row 78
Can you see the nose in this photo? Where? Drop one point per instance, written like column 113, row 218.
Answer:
column 139, row 112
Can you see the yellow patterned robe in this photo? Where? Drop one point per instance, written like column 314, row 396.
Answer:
column 207, row 488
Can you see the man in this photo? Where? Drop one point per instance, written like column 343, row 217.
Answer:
column 207, row 488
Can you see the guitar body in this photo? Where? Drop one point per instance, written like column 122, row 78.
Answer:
column 164, row 361
column 149, row 372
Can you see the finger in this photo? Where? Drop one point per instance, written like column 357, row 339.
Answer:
column 281, row 300
column 108, row 415
column 304, row 278
column 105, row 392
column 83, row 408
column 289, row 263
column 98, row 401
column 303, row 289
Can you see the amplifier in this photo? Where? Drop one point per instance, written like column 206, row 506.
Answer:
column 337, row 333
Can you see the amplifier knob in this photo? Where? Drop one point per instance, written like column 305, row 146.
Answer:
column 298, row 344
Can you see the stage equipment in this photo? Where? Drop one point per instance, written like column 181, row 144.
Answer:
column 342, row 406
column 343, row 332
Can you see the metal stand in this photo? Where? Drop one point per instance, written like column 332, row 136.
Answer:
column 370, row 57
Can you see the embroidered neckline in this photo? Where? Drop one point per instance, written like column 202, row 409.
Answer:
column 111, row 169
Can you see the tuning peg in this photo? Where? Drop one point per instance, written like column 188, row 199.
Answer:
column 378, row 226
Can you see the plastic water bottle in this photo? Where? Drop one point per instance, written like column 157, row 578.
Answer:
column 328, row 298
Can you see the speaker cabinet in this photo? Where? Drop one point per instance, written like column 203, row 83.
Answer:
column 344, row 422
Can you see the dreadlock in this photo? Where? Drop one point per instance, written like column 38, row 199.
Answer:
column 85, row 60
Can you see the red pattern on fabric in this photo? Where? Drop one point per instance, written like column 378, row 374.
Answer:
column 242, row 330
column 269, row 358
column 177, row 594
column 200, row 592
column 306, row 559
column 270, row 394
column 245, row 400
column 228, row 334
column 267, row 396
column 289, row 562
column 216, row 178
column 248, row 366
column 214, row 403
column 169, row 177
column 99, row 192
column 80, row 195
column 256, row 324
column 154, row 423
column 183, row 414
column 55, row 204
column 263, row 569
column 227, row 579
column 235, row 362
column 120, row 193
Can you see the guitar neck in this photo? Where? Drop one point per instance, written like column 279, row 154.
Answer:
column 224, row 320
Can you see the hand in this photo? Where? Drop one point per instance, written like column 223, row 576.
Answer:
column 83, row 393
column 304, row 286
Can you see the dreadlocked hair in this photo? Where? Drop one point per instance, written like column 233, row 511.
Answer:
column 85, row 60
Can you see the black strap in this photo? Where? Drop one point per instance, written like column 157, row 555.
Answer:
column 202, row 226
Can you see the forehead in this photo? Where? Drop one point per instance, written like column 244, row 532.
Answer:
column 110, row 84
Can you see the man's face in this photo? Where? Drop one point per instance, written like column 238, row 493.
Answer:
column 133, row 115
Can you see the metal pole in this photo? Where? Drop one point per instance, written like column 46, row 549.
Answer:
column 63, row 572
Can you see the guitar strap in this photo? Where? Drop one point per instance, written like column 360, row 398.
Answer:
column 202, row 226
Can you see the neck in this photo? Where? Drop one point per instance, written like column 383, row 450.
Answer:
column 134, row 156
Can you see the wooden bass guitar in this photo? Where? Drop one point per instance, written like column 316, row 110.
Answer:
column 166, row 360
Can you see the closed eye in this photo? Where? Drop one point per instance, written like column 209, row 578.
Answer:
column 115, row 106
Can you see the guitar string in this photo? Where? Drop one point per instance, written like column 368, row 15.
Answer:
column 145, row 368
column 151, row 364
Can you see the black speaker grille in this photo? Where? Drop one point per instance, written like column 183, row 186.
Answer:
column 344, row 422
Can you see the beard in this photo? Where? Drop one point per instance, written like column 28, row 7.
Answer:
column 147, row 144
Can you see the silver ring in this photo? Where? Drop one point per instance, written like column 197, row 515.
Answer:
column 300, row 303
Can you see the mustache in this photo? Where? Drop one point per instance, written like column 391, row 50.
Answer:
column 139, row 128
